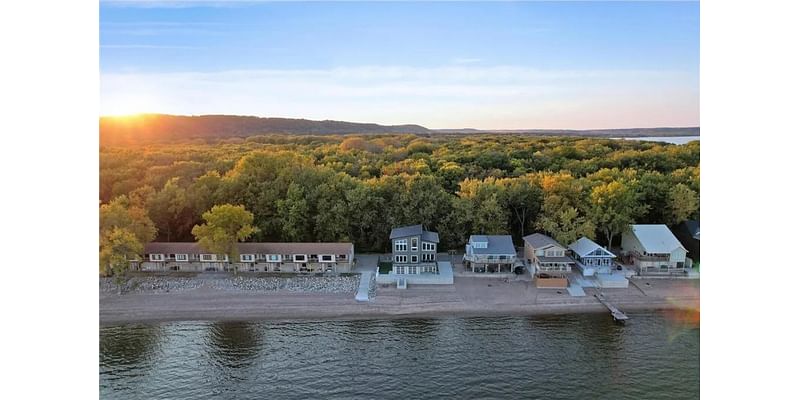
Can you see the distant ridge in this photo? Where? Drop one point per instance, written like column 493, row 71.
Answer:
column 161, row 128
column 623, row 132
column 148, row 128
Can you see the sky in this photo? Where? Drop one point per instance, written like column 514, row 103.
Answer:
column 484, row 65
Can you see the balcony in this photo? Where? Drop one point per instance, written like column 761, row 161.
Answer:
column 649, row 257
column 494, row 259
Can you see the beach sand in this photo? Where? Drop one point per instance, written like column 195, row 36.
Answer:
column 466, row 297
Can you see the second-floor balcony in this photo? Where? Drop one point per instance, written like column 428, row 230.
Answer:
column 486, row 258
column 649, row 256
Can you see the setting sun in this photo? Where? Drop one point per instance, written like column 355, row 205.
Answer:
column 126, row 105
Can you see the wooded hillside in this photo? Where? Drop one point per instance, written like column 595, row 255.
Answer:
column 356, row 188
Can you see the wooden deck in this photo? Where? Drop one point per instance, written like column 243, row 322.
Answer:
column 618, row 315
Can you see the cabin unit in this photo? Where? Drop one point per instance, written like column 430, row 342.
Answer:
column 414, row 250
column 548, row 259
column 490, row 254
column 253, row 257
column 591, row 258
column 654, row 250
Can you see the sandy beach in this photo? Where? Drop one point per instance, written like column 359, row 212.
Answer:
column 466, row 297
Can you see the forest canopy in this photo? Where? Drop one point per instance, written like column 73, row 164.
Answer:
column 357, row 187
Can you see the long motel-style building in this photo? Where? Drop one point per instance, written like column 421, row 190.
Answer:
column 253, row 257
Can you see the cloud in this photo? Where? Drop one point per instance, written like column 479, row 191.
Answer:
column 507, row 97
column 466, row 60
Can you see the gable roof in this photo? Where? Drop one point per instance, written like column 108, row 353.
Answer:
column 656, row 238
column 538, row 240
column 585, row 246
column 497, row 244
column 252, row 248
column 414, row 230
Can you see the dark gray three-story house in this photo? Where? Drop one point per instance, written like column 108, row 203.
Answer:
column 414, row 250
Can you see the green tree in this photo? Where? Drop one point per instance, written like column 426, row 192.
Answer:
column 683, row 203
column 124, row 229
column 225, row 225
column 615, row 205
column 294, row 210
column 524, row 199
column 564, row 223
column 171, row 211
column 118, row 248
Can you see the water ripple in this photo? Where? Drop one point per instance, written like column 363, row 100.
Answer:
column 557, row 357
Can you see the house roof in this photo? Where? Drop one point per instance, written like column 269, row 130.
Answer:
column 538, row 240
column 414, row 230
column 656, row 238
column 497, row 244
column 252, row 248
column 585, row 246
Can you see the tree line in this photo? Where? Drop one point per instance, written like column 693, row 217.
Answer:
column 356, row 188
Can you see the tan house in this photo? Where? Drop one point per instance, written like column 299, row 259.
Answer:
column 654, row 250
column 253, row 257
column 548, row 259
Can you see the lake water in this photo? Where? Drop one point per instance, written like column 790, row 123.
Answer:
column 667, row 139
column 586, row 356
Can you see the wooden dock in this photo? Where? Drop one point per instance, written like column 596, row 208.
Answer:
column 618, row 315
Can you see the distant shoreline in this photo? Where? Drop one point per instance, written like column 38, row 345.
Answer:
column 469, row 297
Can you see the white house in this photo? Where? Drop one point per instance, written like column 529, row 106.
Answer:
column 653, row 249
column 490, row 253
column 591, row 258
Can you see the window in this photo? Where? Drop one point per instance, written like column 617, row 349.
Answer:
column 503, row 257
column 300, row 258
column 326, row 258
column 414, row 258
column 181, row 257
column 400, row 259
column 412, row 270
column 401, row 245
column 428, row 257
column 400, row 270
column 414, row 244
column 156, row 257
column 247, row 257
column 342, row 256
column 427, row 246
column 207, row 257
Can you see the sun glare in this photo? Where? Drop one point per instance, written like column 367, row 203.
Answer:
column 128, row 106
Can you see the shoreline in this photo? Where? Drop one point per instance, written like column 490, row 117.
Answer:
column 468, row 297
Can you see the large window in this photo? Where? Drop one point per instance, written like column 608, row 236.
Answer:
column 156, row 257
column 181, row 257
column 414, row 246
column 326, row 257
column 207, row 257
column 401, row 245
column 274, row 257
column 428, row 257
column 300, row 258
column 400, row 259
column 247, row 257
column 412, row 270
column 427, row 246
